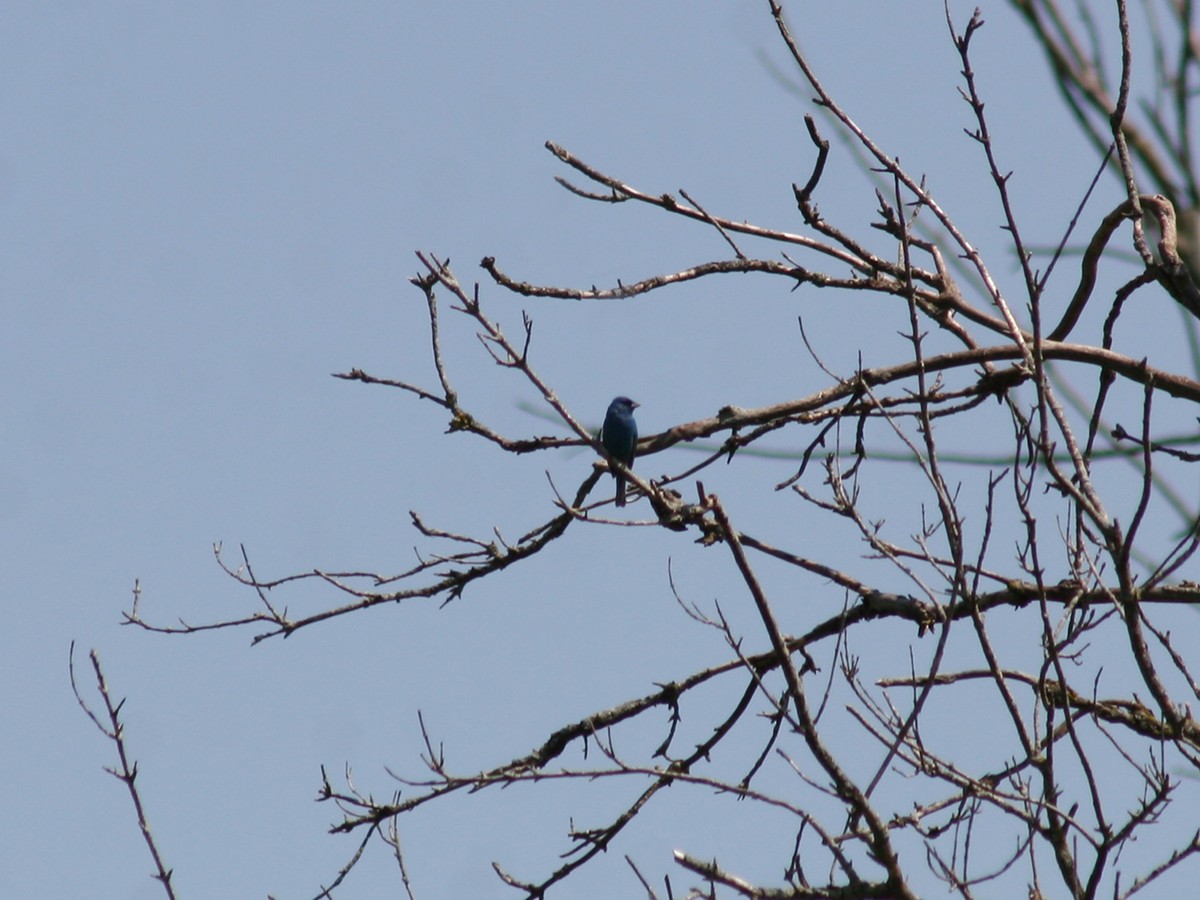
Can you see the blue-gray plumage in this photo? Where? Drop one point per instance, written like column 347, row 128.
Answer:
column 619, row 437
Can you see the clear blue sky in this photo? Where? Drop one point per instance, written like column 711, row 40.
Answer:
column 209, row 208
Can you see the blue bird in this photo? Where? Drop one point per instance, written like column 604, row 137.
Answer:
column 619, row 437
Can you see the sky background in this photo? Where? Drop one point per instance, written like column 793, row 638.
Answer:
column 210, row 208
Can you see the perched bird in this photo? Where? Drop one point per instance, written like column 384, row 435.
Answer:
column 619, row 437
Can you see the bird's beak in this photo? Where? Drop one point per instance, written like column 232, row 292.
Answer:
column 634, row 404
